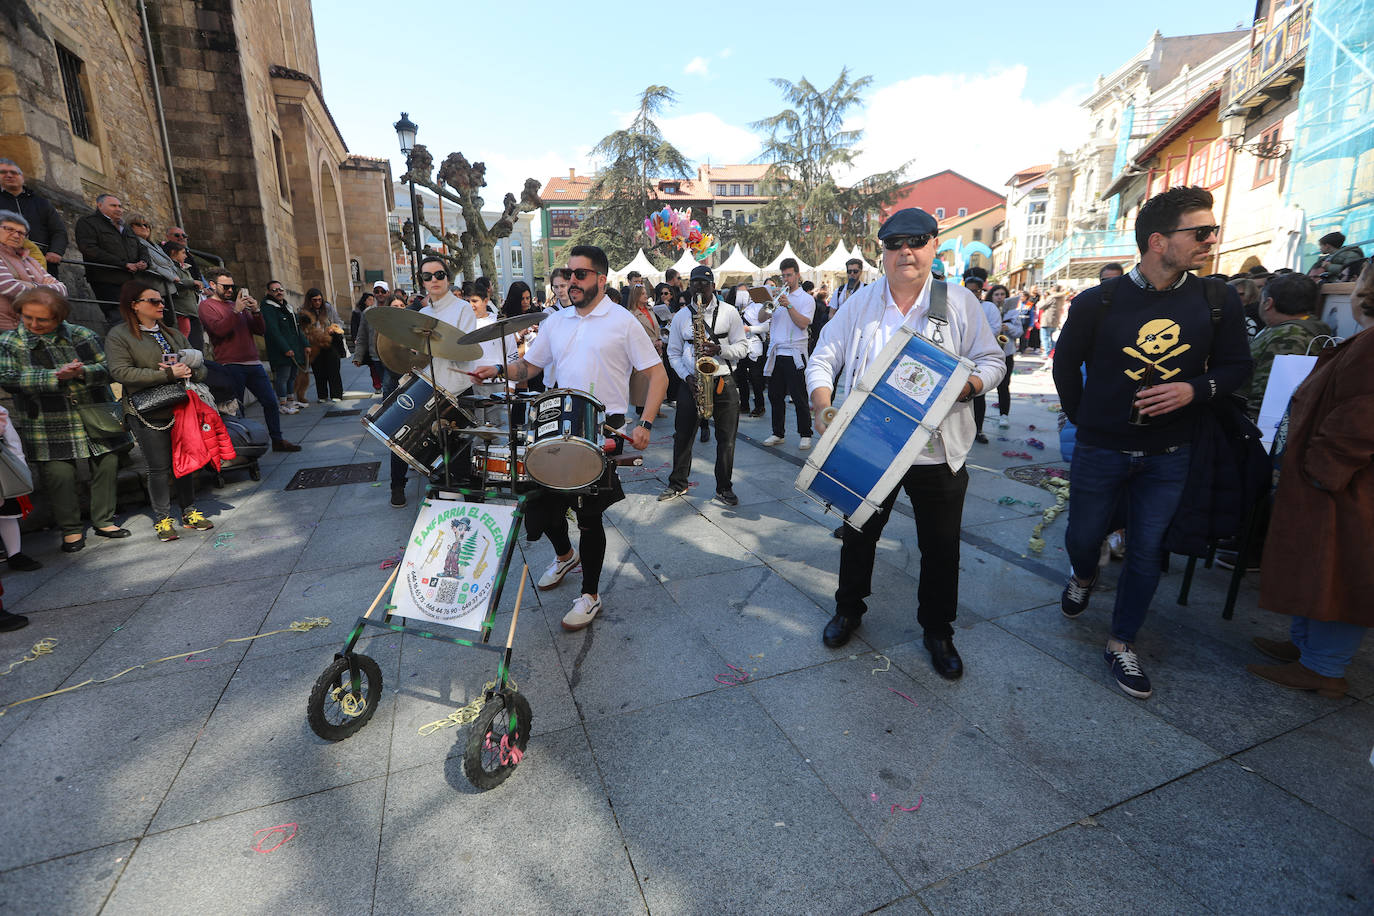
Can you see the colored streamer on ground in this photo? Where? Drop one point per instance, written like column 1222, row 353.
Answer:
column 286, row 831
column 44, row 646
column 732, row 680
column 467, row 713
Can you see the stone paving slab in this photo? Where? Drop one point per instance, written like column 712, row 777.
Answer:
column 721, row 814
column 77, row 883
column 328, row 867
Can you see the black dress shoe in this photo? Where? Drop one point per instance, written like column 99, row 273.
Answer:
column 74, row 546
column 944, row 657
column 839, row 629
column 728, row 497
column 117, row 533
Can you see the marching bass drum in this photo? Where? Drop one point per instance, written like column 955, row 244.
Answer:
column 406, row 422
column 564, row 431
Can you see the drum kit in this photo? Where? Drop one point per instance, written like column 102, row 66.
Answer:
column 552, row 440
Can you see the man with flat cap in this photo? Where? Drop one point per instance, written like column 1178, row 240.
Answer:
column 727, row 345
column 937, row 479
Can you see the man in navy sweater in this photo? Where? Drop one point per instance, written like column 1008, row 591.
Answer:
column 1154, row 359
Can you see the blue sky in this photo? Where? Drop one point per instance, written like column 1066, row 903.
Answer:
column 530, row 92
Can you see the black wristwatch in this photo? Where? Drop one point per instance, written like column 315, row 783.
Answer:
column 646, row 424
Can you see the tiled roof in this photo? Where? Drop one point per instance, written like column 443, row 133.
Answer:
column 1030, row 173
column 558, row 189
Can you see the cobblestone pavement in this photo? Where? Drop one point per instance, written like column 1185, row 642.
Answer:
column 846, row 781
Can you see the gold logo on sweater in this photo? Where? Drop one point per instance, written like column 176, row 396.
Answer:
column 1156, row 344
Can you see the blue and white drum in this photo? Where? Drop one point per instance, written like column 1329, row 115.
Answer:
column 408, row 422
column 887, row 419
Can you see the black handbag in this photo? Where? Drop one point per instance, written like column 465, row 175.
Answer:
column 158, row 398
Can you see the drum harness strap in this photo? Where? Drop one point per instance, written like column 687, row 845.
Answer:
column 939, row 310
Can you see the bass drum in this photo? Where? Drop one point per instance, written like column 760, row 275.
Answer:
column 565, row 435
column 407, row 422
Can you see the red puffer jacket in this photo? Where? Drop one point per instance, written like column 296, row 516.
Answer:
column 198, row 438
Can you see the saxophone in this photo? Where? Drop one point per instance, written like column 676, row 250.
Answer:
column 706, row 366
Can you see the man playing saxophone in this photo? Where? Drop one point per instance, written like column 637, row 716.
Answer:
column 705, row 341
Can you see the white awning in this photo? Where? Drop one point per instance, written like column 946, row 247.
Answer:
column 775, row 265
column 836, row 262
column 684, row 264
column 640, row 263
column 737, row 263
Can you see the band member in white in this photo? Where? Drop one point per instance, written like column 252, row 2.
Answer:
column 726, row 344
column 441, row 303
column 593, row 347
column 786, row 366
column 937, row 479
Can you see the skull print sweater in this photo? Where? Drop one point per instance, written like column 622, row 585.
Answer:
column 1164, row 333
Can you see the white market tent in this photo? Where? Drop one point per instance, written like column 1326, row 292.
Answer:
column 775, row 266
column 737, row 263
column 870, row 273
column 835, row 263
column 640, row 263
column 684, row 264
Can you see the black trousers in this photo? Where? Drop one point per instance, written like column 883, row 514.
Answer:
column 1004, row 389
column 980, row 410
column 328, row 381
column 749, row 378
column 937, row 501
column 725, row 412
column 788, row 380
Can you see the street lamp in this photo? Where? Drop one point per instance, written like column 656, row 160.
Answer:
column 406, row 130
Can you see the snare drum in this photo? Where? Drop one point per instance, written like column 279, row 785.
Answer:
column 405, row 421
column 565, row 435
column 496, row 460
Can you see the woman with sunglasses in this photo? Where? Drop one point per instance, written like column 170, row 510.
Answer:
column 328, row 380
column 145, row 351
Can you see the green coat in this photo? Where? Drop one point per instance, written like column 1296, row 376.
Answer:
column 47, row 412
column 1289, row 337
column 136, row 363
column 282, row 333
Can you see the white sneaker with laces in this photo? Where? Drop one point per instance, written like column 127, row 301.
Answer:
column 805, row 443
column 556, row 571
column 774, row 440
column 1003, row 422
column 584, row 610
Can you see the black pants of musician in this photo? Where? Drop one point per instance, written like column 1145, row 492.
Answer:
column 591, row 544
column 725, row 413
column 1004, row 389
column 937, row 501
column 788, row 379
column 749, row 378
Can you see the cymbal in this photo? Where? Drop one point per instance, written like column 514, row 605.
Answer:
column 503, row 326
column 422, row 333
column 397, row 358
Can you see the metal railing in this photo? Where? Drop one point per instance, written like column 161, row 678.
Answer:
column 1098, row 243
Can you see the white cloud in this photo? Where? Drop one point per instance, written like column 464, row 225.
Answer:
column 980, row 125
column 706, row 136
column 697, row 65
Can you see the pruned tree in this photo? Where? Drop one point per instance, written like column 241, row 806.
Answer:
column 631, row 159
column 461, row 182
column 809, row 152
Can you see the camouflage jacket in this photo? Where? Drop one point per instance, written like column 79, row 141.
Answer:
column 1289, row 337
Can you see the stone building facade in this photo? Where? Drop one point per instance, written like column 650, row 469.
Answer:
column 257, row 162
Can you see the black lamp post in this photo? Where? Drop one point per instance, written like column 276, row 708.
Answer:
column 406, row 130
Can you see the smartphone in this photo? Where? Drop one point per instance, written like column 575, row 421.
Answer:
column 243, row 293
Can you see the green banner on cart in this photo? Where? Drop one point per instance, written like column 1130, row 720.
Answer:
column 451, row 562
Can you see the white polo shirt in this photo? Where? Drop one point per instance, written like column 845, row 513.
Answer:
column 784, row 337
column 452, row 376
column 594, row 353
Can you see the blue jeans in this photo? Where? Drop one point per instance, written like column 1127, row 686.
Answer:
column 284, row 379
column 1327, row 645
column 1151, row 486
column 255, row 379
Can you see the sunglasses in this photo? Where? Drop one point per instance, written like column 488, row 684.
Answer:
column 583, row 273
column 914, row 242
column 1201, row 233
column 157, row 302
column 426, row 276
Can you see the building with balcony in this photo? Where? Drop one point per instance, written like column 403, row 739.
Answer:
column 1027, row 238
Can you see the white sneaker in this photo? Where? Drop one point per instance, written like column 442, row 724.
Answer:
column 774, row 440
column 805, row 443
column 1003, row 422
column 584, row 610
column 289, row 409
column 556, row 571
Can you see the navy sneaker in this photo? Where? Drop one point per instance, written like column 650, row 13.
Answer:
column 1074, row 601
column 1125, row 667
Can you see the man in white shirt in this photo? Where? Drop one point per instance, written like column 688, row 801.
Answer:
column 593, row 347
column 726, row 344
column 853, row 270
column 749, row 371
column 937, row 479
column 786, row 366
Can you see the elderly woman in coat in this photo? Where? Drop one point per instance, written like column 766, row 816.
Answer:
column 1316, row 559
column 63, row 410
column 19, row 269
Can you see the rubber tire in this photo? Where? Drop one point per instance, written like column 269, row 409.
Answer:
column 254, row 472
column 480, row 775
column 336, row 675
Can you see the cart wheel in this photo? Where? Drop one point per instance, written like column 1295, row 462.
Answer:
column 497, row 740
column 254, row 472
column 338, row 708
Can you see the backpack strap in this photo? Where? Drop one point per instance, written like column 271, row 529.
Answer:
column 1215, row 291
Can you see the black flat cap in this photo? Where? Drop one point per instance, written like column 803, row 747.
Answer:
column 911, row 221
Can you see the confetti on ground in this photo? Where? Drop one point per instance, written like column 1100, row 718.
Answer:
column 881, row 670
column 1035, row 443
column 905, row 697
column 730, row 680
column 287, row 832
column 223, row 538
column 1024, row 455
column 1013, row 501
column 896, row 808
column 391, row 561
